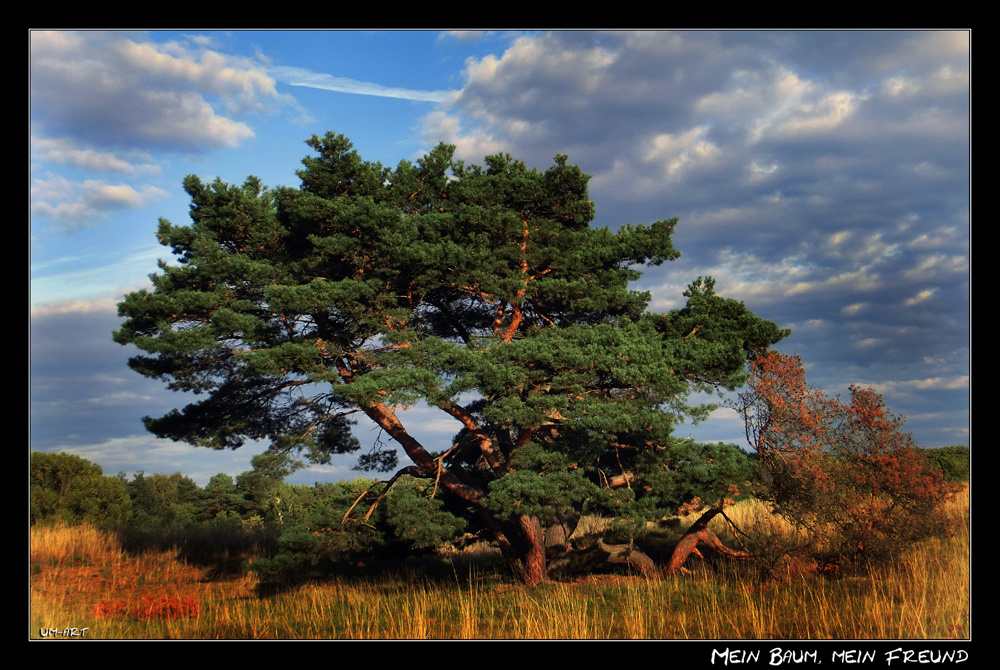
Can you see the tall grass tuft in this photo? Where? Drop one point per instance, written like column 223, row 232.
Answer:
column 61, row 543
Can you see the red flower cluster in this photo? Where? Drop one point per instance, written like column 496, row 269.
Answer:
column 149, row 607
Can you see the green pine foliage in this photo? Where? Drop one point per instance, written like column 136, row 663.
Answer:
column 484, row 292
column 354, row 522
column 416, row 520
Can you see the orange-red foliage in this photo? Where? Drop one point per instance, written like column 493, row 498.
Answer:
column 149, row 607
column 830, row 463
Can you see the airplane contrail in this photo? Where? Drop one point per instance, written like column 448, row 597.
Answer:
column 294, row 76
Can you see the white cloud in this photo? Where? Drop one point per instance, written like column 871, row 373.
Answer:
column 73, row 306
column 463, row 35
column 924, row 51
column 938, row 266
column 76, row 204
column 900, row 86
column 861, row 279
column 955, row 383
column 869, row 342
column 240, row 85
column 920, row 297
column 146, row 453
column 937, row 239
column 537, row 90
column 64, row 151
column 874, row 248
column 678, row 152
column 829, row 112
column 836, row 242
column 106, row 88
column 777, row 103
column 439, row 126
column 759, row 171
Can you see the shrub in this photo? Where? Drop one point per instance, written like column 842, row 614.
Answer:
column 844, row 472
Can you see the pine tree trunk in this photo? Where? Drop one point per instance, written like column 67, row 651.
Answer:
column 522, row 545
column 534, row 570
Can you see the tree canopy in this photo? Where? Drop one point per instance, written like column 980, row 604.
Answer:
column 483, row 292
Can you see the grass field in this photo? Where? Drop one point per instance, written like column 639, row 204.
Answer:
column 85, row 584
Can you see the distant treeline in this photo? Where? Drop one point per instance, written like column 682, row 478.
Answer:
column 259, row 502
column 953, row 461
column 70, row 488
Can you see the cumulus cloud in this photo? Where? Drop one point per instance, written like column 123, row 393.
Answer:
column 615, row 100
column 65, row 151
column 958, row 383
column 104, row 102
column 108, row 89
column 464, row 35
column 682, row 151
column 85, row 203
column 131, row 454
column 472, row 145
column 920, row 297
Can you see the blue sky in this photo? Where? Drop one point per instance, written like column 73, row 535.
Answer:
column 820, row 177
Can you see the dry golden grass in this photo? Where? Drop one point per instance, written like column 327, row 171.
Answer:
column 78, row 576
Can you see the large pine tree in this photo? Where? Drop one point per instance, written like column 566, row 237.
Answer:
column 481, row 291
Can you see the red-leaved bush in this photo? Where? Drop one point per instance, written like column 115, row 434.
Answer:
column 843, row 471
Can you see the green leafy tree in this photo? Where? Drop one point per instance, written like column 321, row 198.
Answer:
column 221, row 499
column 71, row 488
column 160, row 500
column 264, row 490
column 480, row 291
